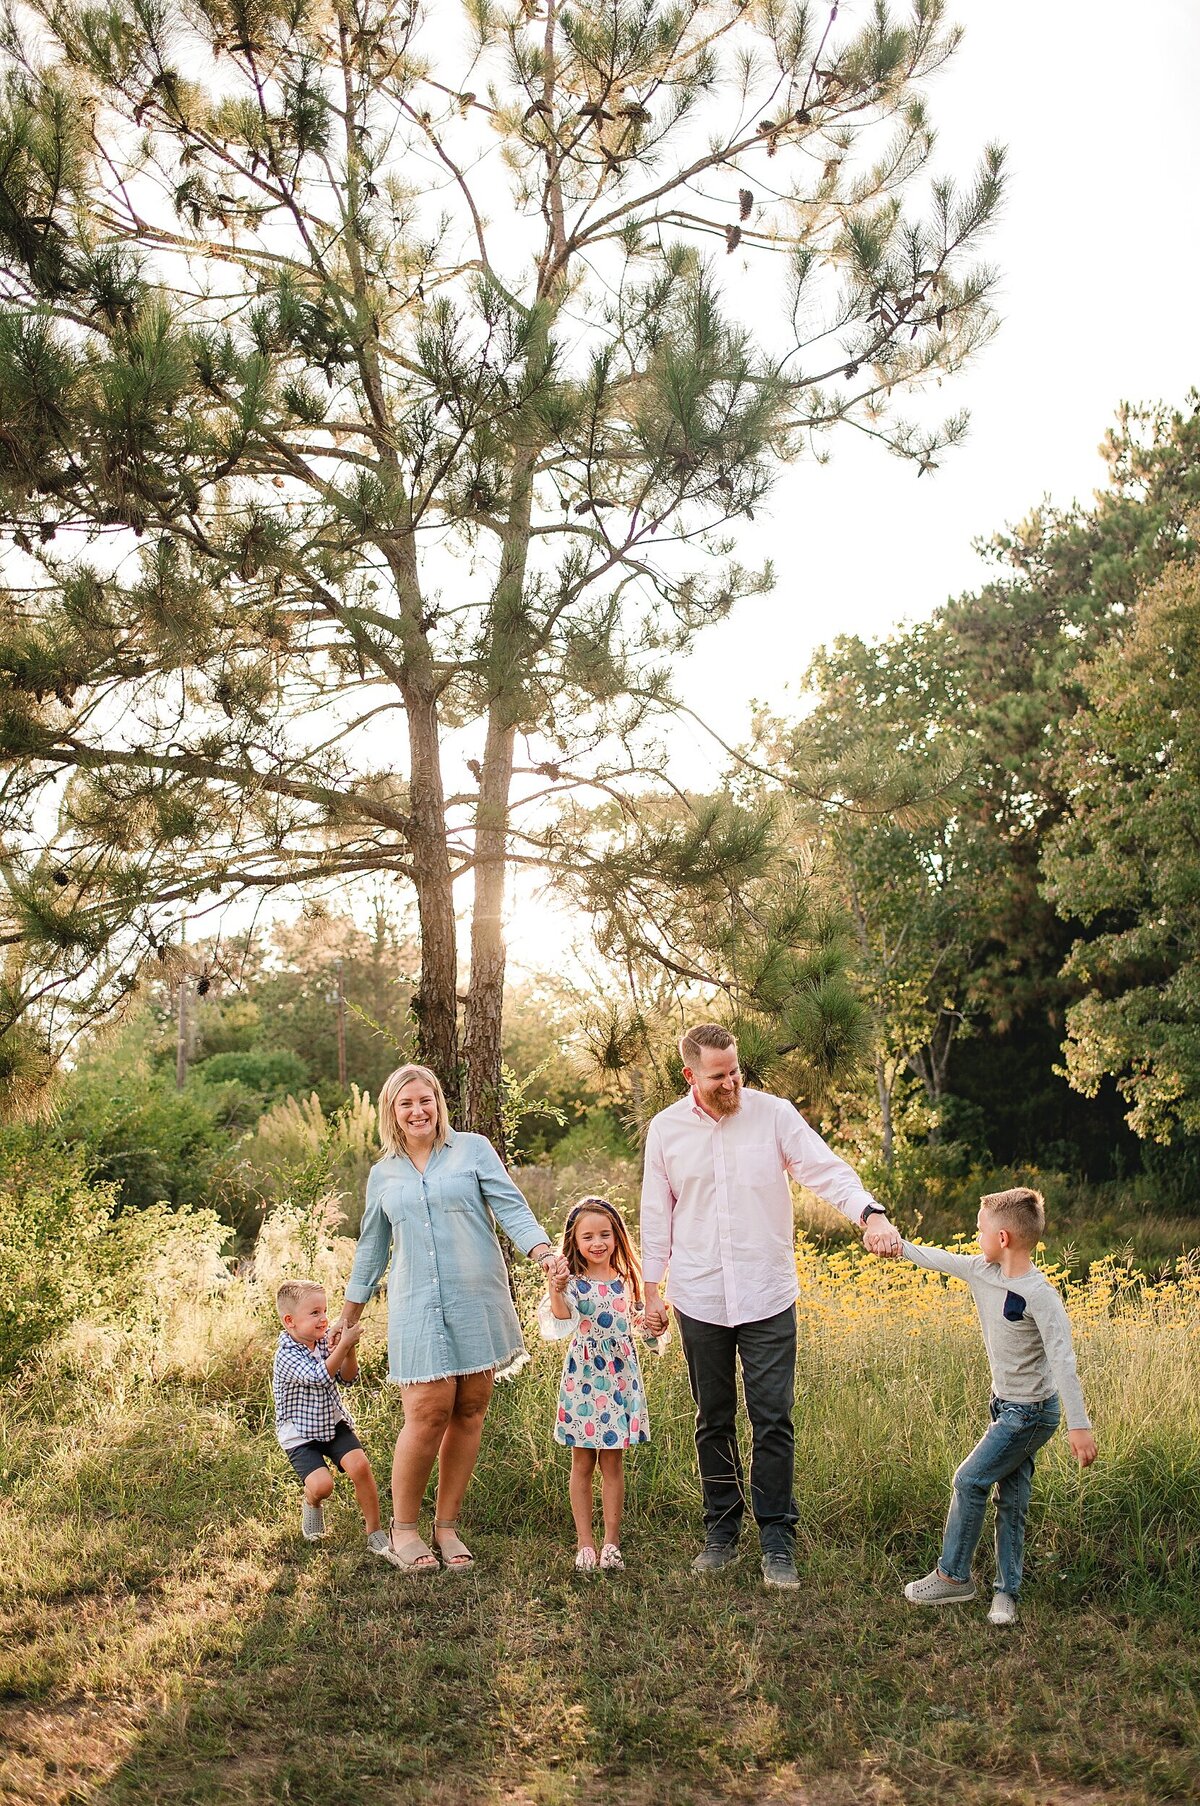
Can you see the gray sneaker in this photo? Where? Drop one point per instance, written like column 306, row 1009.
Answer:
column 312, row 1522
column 714, row 1556
column 935, row 1589
column 1004, row 1609
column 779, row 1569
column 380, row 1543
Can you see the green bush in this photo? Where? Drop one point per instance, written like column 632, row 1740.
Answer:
column 270, row 1076
column 53, row 1222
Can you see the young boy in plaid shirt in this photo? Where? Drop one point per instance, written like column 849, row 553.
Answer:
column 311, row 1422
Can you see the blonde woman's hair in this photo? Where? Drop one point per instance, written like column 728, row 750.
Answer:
column 390, row 1133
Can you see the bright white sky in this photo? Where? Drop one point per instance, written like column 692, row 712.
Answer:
column 1099, row 262
column 1100, row 266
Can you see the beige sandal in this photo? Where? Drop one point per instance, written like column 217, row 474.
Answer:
column 458, row 1558
column 414, row 1556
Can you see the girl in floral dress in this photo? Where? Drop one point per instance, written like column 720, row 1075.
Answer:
column 601, row 1400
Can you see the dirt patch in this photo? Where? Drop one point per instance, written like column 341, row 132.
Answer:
column 58, row 1754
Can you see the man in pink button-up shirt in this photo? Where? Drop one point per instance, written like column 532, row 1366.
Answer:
column 717, row 1212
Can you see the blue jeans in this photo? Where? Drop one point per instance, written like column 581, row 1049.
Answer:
column 1003, row 1459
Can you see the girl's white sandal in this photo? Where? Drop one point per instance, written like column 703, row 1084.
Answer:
column 585, row 1561
column 611, row 1557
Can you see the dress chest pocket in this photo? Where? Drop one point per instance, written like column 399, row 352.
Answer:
column 403, row 1200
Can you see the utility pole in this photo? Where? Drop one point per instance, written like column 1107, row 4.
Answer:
column 181, row 1022
column 341, row 1024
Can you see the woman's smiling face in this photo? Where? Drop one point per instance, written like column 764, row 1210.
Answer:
column 416, row 1112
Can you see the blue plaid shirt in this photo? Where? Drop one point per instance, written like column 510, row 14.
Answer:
column 305, row 1396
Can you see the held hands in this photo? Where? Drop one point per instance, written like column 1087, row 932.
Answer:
column 335, row 1332
column 557, row 1269
column 346, row 1338
column 880, row 1238
column 558, row 1281
column 656, row 1312
column 1083, row 1446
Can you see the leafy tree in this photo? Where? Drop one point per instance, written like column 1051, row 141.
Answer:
column 1125, row 861
column 278, row 994
column 700, row 904
column 936, row 754
column 358, row 388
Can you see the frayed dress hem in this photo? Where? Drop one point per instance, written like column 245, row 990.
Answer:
column 504, row 1367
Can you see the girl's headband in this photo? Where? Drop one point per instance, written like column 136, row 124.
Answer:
column 587, row 1204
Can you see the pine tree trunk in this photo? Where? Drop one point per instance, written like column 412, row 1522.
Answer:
column 435, row 1002
column 485, row 995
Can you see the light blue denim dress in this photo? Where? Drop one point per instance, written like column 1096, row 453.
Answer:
column 449, row 1307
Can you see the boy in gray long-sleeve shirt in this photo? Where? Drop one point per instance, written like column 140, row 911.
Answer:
column 1028, row 1340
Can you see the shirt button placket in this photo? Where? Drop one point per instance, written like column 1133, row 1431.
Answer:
column 439, row 1302
column 724, row 1227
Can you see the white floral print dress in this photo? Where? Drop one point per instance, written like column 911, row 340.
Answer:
column 601, row 1399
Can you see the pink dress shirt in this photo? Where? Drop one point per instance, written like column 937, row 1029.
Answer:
column 717, row 1211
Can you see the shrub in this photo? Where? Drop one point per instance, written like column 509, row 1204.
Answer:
column 52, row 1227
column 269, row 1076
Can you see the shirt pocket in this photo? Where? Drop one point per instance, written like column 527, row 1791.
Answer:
column 403, row 1201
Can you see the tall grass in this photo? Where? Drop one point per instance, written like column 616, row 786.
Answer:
column 891, row 1392
column 167, row 1637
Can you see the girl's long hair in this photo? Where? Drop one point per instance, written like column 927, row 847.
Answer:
column 626, row 1264
column 390, row 1133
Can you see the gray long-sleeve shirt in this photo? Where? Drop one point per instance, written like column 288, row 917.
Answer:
column 1025, row 1326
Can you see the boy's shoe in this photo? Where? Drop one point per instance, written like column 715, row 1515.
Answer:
column 779, row 1569
column 1004, row 1609
column 312, row 1522
column 379, row 1543
column 935, row 1589
column 715, row 1556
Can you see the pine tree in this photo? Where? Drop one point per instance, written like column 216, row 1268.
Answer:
column 358, row 387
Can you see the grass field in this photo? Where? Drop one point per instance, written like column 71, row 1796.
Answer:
column 167, row 1636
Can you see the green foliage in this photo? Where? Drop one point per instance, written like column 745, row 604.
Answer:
column 310, row 376
column 53, row 1221
column 936, row 783
column 1124, row 861
column 314, row 1164
column 708, row 891
column 137, row 1133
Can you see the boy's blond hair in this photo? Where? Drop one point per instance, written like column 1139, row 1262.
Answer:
column 1022, row 1211
column 293, row 1292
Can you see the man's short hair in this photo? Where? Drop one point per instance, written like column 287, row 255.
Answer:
column 293, row 1292
column 1021, row 1211
column 705, row 1034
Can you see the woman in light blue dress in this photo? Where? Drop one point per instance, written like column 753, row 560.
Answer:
column 429, row 1223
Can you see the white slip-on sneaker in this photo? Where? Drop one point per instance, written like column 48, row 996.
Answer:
column 935, row 1589
column 312, row 1522
column 1004, row 1609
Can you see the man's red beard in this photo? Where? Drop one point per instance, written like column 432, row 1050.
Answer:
column 720, row 1103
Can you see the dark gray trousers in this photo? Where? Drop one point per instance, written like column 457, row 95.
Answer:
column 767, row 1351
